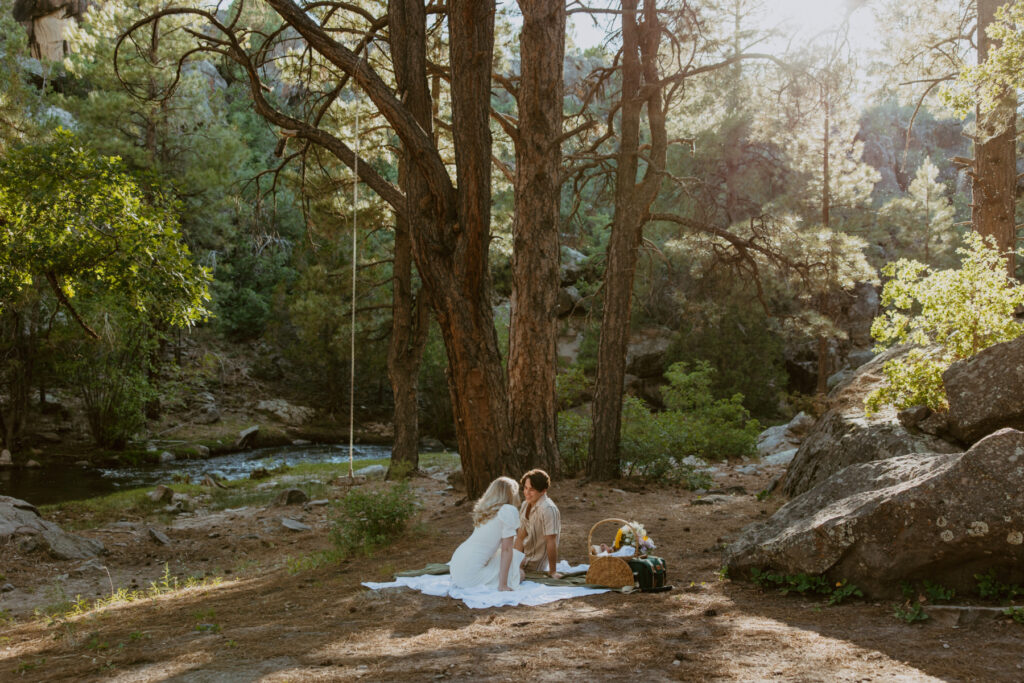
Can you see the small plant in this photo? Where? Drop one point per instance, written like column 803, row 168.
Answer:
column 96, row 644
column 910, row 612
column 938, row 593
column 763, row 495
column 368, row 519
column 316, row 560
column 138, row 635
column 722, row 573
column 6, row 617
column 24, row 666
column 1015, row 613
column 842, row 591
column 804, row 584
column 990, row 587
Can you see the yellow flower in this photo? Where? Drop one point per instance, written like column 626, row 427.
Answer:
column 618, row 539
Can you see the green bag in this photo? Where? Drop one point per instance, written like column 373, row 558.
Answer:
column 649, row 573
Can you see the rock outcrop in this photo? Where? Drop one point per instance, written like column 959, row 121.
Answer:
column 938, row 516
column 986, row 391
column 21, row 523
column 845, row 436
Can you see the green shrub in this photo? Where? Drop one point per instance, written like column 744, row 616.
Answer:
column 368, row 519
column 946, row 315
column 571, row 385
column 111, row 377
column 573, row 440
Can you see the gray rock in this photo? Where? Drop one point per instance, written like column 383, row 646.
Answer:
column 151, row 448
column 431, row 444
column 7, row 588
column 247, row 436
column 284, row 411
column 167, row 456
column 775, row 440
column 160, row 494
column 206, row 415
column 294, row 525
column 846, row 436
column 913, row 416
column 206, row 70
column 838, row 378
column 159, row 536
column 645, row 354
column 202, row 451
column 301, row 442
column 89, row 567
column 291, row 497
column 780, row 458
column 50, row 437
column 20, row 521
column 986, row 391
column 859, row 357
column 371, row 471
column 319, row 502
column 800, row 425
column 937, row 516
column 571, row 264
column 5, row 457
column 32, row 465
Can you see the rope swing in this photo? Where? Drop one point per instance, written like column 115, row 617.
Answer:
column 352, row 325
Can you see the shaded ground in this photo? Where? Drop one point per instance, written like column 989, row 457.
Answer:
column 267, row 619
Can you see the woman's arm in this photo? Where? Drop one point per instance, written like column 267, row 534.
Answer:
column 506, row 563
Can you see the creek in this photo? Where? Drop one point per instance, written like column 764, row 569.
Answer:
column 57, row 484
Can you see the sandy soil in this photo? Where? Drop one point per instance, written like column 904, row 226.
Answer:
column 264, row 622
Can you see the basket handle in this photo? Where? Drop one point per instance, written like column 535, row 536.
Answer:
column 636, row 549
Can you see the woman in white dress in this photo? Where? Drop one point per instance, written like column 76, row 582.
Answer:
column 487, row 557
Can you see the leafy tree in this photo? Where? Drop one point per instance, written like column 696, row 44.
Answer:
column 75, row 224
column 921, row 223
column 947, row 315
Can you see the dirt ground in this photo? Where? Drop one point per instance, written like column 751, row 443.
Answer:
column 263, row 620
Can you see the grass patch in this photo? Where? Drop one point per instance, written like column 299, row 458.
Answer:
column 64, row 607
column 313, row 478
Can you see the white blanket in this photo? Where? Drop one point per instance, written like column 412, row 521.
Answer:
column 527, row 593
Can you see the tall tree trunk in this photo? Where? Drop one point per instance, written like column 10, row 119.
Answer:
column 409, row 313
column 533, row 330
column 632, row 210
column 995, row 163
column 460, row 289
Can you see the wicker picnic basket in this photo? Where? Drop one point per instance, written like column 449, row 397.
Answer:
column 613, row 572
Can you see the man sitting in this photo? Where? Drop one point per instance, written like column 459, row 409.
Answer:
column 539, row 525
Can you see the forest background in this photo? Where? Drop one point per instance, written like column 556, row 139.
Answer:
column 708, row 176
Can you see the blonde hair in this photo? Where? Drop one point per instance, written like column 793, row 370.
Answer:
column 502, row 491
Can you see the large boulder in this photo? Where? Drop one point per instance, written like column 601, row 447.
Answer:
column 938, row 516
column 285, row 411
column 21, row 523
column 845, row 436
column 645, row 355
column 986, row 391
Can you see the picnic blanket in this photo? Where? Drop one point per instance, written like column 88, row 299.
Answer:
column 535, row 589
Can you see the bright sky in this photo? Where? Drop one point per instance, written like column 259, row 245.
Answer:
column 805, row 18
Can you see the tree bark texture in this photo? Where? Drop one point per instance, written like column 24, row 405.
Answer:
column 533, row 330
column 995, row 162
column 632, row 211
column 409, row 313
column 461, row 290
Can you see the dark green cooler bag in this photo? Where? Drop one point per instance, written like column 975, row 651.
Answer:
column 649, row 572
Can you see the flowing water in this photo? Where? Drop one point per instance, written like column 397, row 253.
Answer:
column 58, row 484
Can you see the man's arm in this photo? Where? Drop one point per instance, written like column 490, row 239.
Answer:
column 551, row 541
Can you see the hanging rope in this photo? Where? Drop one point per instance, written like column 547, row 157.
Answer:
column 352, row 324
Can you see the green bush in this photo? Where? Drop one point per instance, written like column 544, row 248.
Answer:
column 111, row 377
column 368, row 519
column 573, row 440
column 947, row 315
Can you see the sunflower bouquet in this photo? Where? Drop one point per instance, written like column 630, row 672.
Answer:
column 627, row 535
